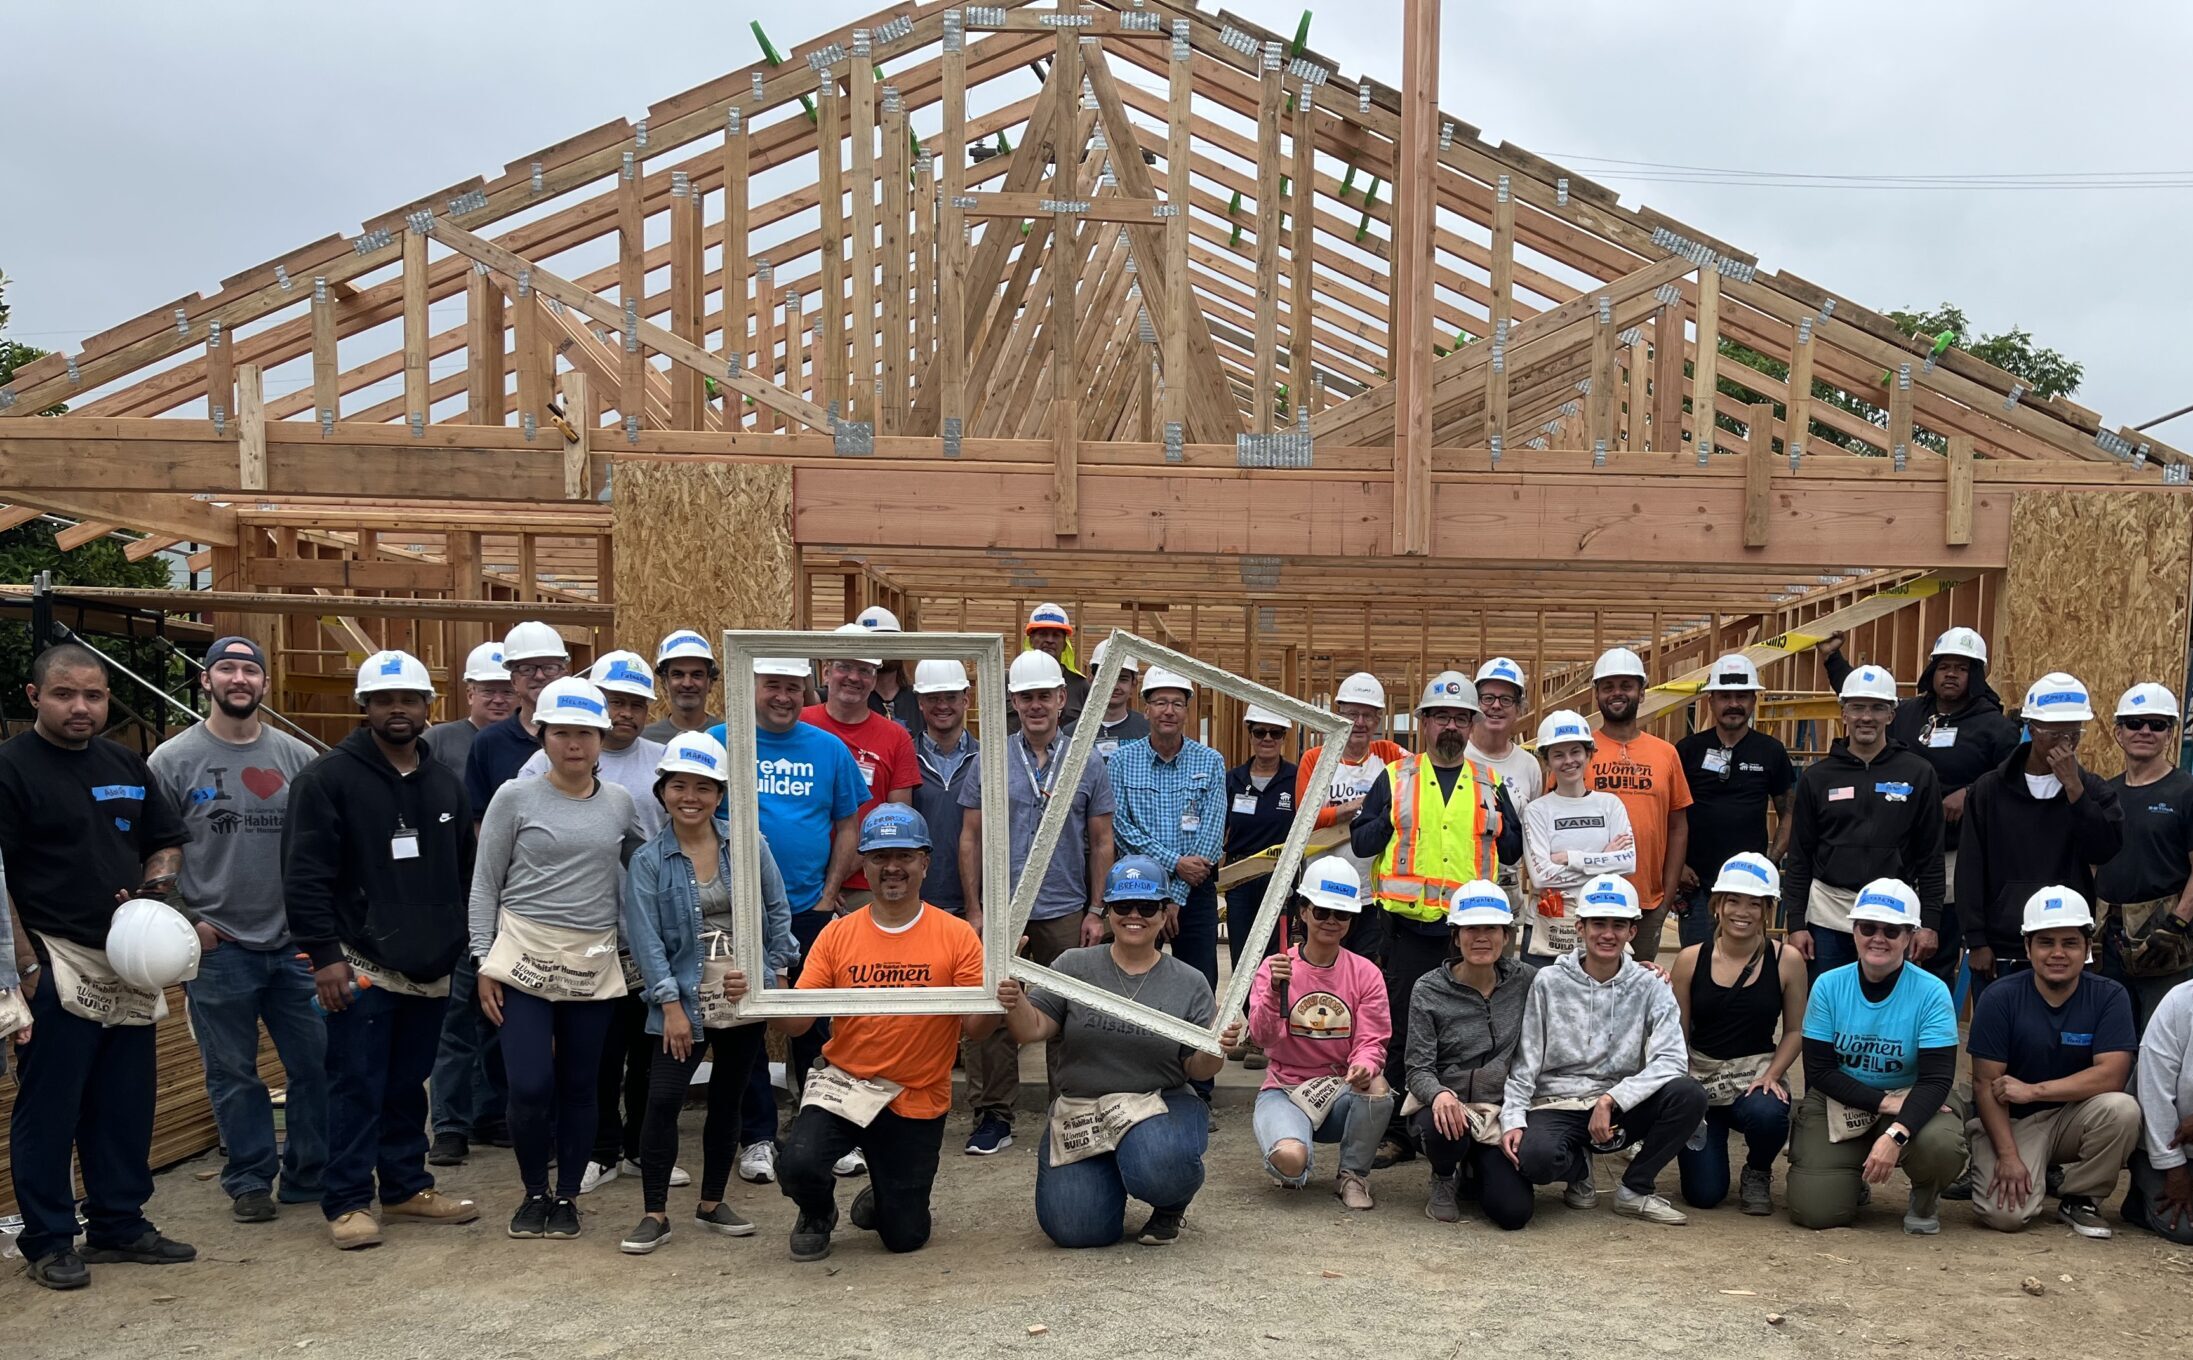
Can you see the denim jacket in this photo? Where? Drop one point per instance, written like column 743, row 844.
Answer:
column 662, row 922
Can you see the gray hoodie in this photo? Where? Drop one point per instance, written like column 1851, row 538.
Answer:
column 1583, row 1038
column 1461, row 1040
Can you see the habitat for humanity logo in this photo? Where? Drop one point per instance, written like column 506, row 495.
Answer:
column 789, row 778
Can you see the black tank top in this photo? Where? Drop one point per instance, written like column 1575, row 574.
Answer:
column 1735, row 1022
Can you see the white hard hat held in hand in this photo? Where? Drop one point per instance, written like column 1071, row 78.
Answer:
column 150, row 946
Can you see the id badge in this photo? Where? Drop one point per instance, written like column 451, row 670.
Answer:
column 1942, row 737
column 1245, row 804
column 404, row 844
column 1191, row 821
column 1715, row 762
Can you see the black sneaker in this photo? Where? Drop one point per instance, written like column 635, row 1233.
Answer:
column 450, row 1149
column 252, row 1206
column 811, row 1237
column 1960, row 1188
column 651, row 1233
column 150, row 1250
column 1162, row 1230
column 863, row 1212
column 531, row 1220
column 724, row 1219
column 563, row 1220
column 62, row 1269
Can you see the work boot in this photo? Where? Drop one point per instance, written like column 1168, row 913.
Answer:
column 863, row 1212
column 432, row 1206
column 1391, row 1151
column 1354, row 1190
column 62, row 1269
column 149, row 1250
column 1753, row 1192
column 358, row 1228
column 1442, row 1206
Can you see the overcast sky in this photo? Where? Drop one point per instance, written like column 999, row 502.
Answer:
column 156, row 148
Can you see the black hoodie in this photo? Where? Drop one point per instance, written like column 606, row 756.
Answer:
column 341, row 876
column 2016, row 844
column 1853, row 822
column 1960, row 747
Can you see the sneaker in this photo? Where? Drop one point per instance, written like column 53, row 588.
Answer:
column 598, row 1174
column 62, row 1269
column 863, row 1212
column 1923, row 1216
column 252, row 1206
column 1960, row 1188
column 1754, row 1192
column 149, row 1250
column 531, row 1220
column 991, row 1136
column 1354, row 1191
column 1581, row 1195
column 811, row 1237
column 563, row 1220
column 2083, row 1215
column 358, row 1228
column 723, row 1219
column 758, row 1163
column 450, row 1149
column 679, row 1176
column 650, row 1233
column 432, row 1206
column 1163, row 1229
column 1442, row 1206
column 1391, row 1151
column 851, row 1164
column 1651, row 1208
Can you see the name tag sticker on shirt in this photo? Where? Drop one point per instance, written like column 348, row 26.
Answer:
column 1715, row 762
column 1244, row 804
column 1942, row 737
column 404, row 844
column 1895, row 791
column 1843, row 794
column 107, row 793
column 2077, row 1040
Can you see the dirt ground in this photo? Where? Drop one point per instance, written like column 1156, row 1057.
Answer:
column 1259, row 1271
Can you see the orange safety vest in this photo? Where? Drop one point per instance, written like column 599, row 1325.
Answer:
column 1430, row 854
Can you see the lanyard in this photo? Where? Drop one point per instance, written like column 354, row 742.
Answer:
column 1049, row 779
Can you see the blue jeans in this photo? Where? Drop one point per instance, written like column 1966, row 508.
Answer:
column 84, row 1087
column 1242, row 902
column 470, row 1092
column 380, row 1049
column 1763, row 1119
column 235, row 989
column 1830, row 949
column 1695, row 925
column 1197, row 943
column 1159, row 1161
column 1356, row 1122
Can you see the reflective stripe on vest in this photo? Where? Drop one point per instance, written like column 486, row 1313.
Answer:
column 1424, row 864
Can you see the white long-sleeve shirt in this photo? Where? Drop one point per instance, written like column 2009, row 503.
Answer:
column 1583, row 827
column 2166, row 1076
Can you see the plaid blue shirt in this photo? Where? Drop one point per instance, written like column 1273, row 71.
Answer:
column 1155, row 796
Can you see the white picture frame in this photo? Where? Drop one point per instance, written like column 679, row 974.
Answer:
column 740, row 648
column 1118, row 648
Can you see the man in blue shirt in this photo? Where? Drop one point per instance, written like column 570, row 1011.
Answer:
column 1172, row 808
column 946, row 753
column 2051, row 1050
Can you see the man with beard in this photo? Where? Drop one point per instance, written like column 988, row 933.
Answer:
column 377, row 859
column 1433, row 822
column 1647, row 775
column 489, row 697
column 1735, row 772
column 686, row 666
column 230, row 776
column 1955, row 722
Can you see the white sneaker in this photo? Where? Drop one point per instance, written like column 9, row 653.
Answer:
column 1651, row 1208
column 758, row 1163
column 597, row 1175
column 679, row 1176
column 852, row 1164
column 1581, row 1195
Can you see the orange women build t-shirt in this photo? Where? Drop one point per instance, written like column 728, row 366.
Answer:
column 935, row 949
column 1647, row 775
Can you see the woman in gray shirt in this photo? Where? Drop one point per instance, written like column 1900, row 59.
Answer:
column 545, row 907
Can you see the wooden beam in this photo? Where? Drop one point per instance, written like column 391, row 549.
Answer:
column 1799, row 406
column 1302, row 244
column 737, row 308
column 418, row 406
column 1601, row 402
column 578, row 408
column 185, row 517
column 485, row 392
column 1705, row 360
column 1178, row 298
column 360, row 606
column 1957, row 525
column 830, row 361
column 897, row 167
column 1759, row 475
column 631, row 313
column 326, row 395
column 221, row 376
column 688, row 279
column 1415, row 194
column 862, row 96
column 251, row 429
column 1503, row 313
column 1065, row 271
column 1271, row 97
column 1899, row 409
column 949, row 367
column 77, row 535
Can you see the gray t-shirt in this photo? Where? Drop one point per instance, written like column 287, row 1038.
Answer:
column 715, row 902
column 234, row 799
column 633, row 769
column 1100, row 1055
column 451, row 743
column 552, row 858
column 1066, row 882
column 662, row 729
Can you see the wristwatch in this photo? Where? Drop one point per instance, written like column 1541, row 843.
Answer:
column 1097, row 911
column 1899, row 1134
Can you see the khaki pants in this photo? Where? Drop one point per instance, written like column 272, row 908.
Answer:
column 993, row 1062
column 1824, row 1176
column 2090, row 1139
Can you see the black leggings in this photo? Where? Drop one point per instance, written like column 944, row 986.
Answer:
column 627, row 1059
column 552, row 1051
column 668, row 1080
column 1500, row 1190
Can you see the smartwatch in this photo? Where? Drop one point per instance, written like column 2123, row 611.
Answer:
column 1899, row 1134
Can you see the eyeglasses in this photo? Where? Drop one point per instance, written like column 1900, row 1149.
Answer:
column 1873, row 928
column 2145, row 724
column 1496, row 700
column 545, row 669
column 1138, row 907
column 1267, row 733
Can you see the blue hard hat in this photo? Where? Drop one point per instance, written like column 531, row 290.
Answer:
column 893, row 826
column 1136, row 878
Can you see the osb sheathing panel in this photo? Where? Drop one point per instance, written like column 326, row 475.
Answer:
column 2097, row 586
column 706, row 546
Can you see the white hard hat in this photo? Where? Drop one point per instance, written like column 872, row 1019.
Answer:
column 624, row 673
column 393, row 670
column 1034, row 671
column 1562, row 728
column 1157, row 678
column 1449, row 689
column 684, row 644
column 695, row 753
column 1889, row 901
column 2149, row 700
column 942, row 677
column 571, row 702
column 858, row 628
column 1732, row 673
column 877, row 619
column 1480, row 902
column 530, row 641
column 1501, row 668
column 150, row 946
column 1096, row 658
column 794, row 666
column 1361, row 688
column 1750, row 874
column 485, row 663
column 1259, row 716
column 2054, row 908
column 2057, row 697
column 1869, row 682
column 1608, row 897
column 1617, row 661
column 1334, row 883
column 1961, row 642
column 1048, row 615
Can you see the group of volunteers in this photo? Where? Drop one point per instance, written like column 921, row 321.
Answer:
column 515, row 928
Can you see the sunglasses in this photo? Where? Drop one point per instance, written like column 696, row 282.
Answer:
column 1267, row 733
column 1329, row 914
column 1137, row 908
column 2145, row 724
column 1873, row 928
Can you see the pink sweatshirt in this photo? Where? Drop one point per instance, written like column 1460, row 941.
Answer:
column 1335, row 1016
